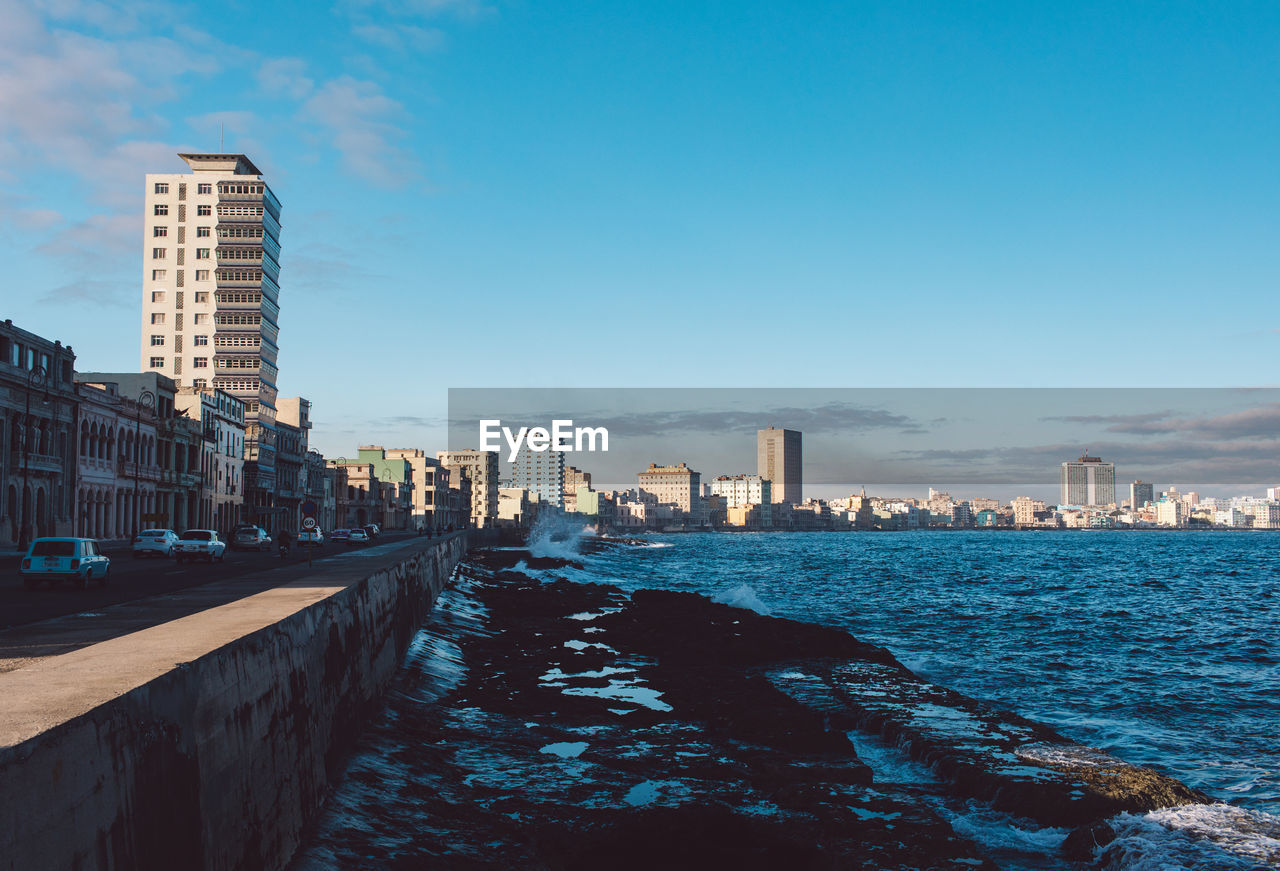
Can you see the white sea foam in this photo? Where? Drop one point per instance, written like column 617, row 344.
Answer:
column 741, row 596
column 557, row 536
column 1066, row 756
column 1194, row 837
column 583, row 645
column 565, row 749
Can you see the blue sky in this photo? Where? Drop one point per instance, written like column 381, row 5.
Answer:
column 671, row 193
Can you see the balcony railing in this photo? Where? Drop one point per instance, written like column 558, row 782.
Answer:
column 34, row 462
column 130, row 469
column 185, row 480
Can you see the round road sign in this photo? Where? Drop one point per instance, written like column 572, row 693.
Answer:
column 309, row 507
column 308, row 523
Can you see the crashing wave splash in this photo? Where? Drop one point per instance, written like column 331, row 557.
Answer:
column 742, row 596
column 1196, row 837
column 558, row 536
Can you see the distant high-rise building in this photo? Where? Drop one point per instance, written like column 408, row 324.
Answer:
column 1088, row 481
column 211, row 297
column 1140, row 493
column 474, row 472
column 575, row 478
column 673, row 485
column 540, row 472
column 778, row 458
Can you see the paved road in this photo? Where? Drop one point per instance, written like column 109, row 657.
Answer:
column 133, row 579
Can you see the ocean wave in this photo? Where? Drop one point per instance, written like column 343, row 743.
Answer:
column 1194, row 837
column 742, row 596
column 557, row 536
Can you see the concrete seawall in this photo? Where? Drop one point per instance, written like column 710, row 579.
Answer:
column 208, row 742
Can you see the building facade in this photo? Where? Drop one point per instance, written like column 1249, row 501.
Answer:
column 38, row 410
column 221, row 418
column 1088, row 481
column 211, row 297
column 541, row 473
column 677, row 486
column 480, row 469
column 147, row 408
column 779, row 458
column 1140, row 493
column 430, row 492
column 293, row 427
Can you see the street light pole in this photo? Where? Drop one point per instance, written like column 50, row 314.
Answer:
column 146, row 399
column 24, row 532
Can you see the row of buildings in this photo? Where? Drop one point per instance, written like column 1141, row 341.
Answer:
column 199, row 437
column 104, row 454
column 674, row 497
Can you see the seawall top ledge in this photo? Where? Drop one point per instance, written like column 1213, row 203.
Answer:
column 57, row 689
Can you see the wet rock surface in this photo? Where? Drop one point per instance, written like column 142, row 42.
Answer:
column 542, row 723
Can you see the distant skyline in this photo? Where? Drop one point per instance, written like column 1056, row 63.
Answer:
column 993, row 442
column 739, row 194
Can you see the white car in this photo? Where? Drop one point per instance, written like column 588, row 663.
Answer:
column 203, row 544
column 55, row 559
column 358, row 536
column 311, row 538
column 154, row 542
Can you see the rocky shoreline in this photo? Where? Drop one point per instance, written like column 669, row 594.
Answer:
column 543, row 723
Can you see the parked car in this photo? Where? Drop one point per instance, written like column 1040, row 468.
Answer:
column 250, row 537
column 311, row 537
column 54, row 559
column 203, row 544
column 340, row 535
column 358, row 536
column 154, row 542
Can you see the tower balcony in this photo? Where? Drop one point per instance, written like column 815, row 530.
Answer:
column 239, row 255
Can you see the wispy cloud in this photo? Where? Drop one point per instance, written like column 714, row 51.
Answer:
column 94, row 292
column 425, row 9
column 405, row 37
column 286, row 76
column 360, row 120
column 88, row 243
column 1260, row 422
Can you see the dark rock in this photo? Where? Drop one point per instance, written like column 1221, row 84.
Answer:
column 1083, row 842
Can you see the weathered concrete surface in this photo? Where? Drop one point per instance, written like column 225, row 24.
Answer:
column 207, row 742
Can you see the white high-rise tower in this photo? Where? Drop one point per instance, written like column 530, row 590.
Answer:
column 211, row 296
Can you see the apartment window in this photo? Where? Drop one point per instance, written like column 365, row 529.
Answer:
column 201, row 319
column 158, row 274
column 157, row 341
column 200, row 340
column 202, row 253
column 161, row 209
column 202, row 295
column 200, row 383
column 157, row 317
column 158, row 295
column 200, row 363
column 157, row 362
column 204, row 189
column 162, row 187
column 158, row 232
column 204, row 211
column 157, row 253
column 202, row 232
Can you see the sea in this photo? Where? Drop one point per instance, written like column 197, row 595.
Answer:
column 1161, row 648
